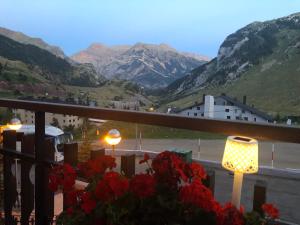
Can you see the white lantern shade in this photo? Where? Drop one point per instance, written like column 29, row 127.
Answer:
column 241, row 154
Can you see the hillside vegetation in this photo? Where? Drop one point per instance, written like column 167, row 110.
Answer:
column 260, row 60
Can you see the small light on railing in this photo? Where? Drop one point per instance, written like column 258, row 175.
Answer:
column 14, row 124
column 240, row 156
column 151, row 109
column 113, row 138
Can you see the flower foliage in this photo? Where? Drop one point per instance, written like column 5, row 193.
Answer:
column 170, row 192
column 270, row 211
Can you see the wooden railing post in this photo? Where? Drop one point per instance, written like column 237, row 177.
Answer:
column 27, row 188
column 128, row 165
column 10, row 192
column 40, row 191
column 97, row 152
column 71, row 153
column 259, row 196
column 49, row 151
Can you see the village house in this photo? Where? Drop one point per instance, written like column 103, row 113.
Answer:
column 224, row 107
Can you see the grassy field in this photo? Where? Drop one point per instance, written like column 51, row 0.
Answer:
column 128, row 131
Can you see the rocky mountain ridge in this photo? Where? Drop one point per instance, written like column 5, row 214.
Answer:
column 149, row 65
column 260, row 60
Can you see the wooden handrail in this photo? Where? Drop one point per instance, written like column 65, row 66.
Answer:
column 261, row 131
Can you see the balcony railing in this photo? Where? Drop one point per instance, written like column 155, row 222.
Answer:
column 260, row 131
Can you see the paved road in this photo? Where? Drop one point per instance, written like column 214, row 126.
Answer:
column 287, row 155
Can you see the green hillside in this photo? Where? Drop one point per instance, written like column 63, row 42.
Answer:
column 271, row 80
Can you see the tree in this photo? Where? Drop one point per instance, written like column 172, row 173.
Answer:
column 86, row 145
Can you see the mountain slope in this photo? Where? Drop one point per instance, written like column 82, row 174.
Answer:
column 147, row 64
column 260, row 60
column 46, row 64
column 22, row 38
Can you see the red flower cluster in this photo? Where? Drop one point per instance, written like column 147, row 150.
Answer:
column 198, row 195
column 62, row 176
column 197, row 171
column 170, row 169
column 88, row 203
column 105, row 200
column 143, row 185
column 97, row 166
column 270, row 211
column 112, row 186
column 230, row 215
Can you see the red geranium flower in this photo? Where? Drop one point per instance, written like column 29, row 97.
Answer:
column 198, row 171
column 231, row 215
column 146, row 158
column 112, row 186
column 62, row 176
column 88, row 204
column 97, row 166
column 270, row 211
column 143, row 185
column 72, row 197
column 169, row 168
column 198, row 195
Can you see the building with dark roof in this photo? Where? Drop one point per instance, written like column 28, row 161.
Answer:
column 225, row 107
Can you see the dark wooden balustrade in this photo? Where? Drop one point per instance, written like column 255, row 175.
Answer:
column 33, row 151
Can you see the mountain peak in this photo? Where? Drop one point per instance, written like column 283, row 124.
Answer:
column 150, row 65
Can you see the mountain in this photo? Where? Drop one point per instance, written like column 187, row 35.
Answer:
column 22, row 38
column 45, row 64
column 149, row 65
column 260, row 60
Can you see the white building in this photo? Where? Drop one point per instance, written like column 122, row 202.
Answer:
column 27, row 117
column 225, row 107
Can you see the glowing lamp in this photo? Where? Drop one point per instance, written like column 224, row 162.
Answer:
column 240, row 156
column 113, row 138
column 15, row 124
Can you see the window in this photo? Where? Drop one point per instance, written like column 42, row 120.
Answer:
column 195, row 114
column 228, row 117
column 215, row 103
column 243, row 111
column 188, row 113
column 237, row 118
column 202, row 114
column 246, row 118
column 226, row 110
column 64, row 121
column 73, row 120
column 254, row 119
column 198, row 107
column 69, row 121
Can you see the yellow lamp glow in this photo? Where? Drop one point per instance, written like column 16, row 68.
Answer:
column 113, row 138
column 15, row 124
column 240, row 156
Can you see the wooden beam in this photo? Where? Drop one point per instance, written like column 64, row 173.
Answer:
column 261, row 131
